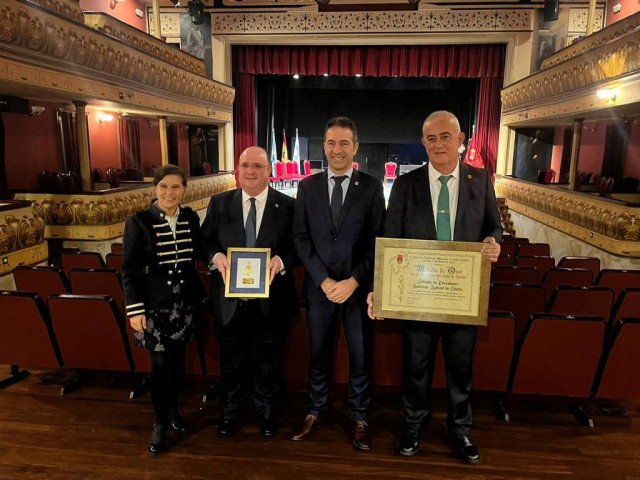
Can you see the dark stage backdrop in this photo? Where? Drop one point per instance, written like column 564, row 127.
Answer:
column 384, row 64
column 388, row 112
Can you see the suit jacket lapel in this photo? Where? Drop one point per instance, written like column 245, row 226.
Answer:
column 422, row 195
column 464, row 189
column 323, row 197
column 269, row 217
column 235, row 213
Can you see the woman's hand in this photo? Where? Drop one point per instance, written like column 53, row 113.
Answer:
column 138, row 323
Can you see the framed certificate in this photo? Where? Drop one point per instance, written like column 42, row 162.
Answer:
column 247, row 275
column 431, row 281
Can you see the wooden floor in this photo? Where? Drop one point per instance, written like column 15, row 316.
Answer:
column 97, row 433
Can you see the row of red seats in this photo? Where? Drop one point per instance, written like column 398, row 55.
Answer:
column 90, row 301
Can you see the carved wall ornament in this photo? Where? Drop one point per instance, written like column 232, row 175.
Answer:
column 107, row 210
column 37, row 37
column 419, row 21
column 147, row 43
column 585, row 215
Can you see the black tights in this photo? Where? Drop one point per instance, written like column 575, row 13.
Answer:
column 167, row 377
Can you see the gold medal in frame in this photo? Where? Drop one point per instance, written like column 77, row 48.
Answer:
column 247, row 275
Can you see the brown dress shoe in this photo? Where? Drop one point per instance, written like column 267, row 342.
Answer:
column 362, row 435
column 310, row 423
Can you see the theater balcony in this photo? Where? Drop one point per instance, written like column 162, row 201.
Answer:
column 574, row 138
column 59, row 64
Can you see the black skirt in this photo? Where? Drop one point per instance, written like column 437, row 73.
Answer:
column 171, row 325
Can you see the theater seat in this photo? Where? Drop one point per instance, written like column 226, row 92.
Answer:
column 582, row 301
column 91, row 333
column 81, row 260
column 542, row 249
column 572, row 277
column 591, row 263
column 114, row 261
column 26, row 335
column 627, row 305
column 514, row 274
column 619, row 370
column 618, row 279
column 541, row 262
column 558, row 356
column 44, row 281
column 521, row 299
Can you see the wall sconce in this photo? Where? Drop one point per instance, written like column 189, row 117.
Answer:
column 105, row 117
column 113, row 3
column 607, row 94
column 36, row 110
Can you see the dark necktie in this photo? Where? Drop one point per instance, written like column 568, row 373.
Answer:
column 336, row 200
column 250, row 227
column 443, row 219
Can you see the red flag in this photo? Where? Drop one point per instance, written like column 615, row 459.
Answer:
column 473, row 156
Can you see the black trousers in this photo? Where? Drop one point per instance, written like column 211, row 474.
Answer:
column 251, row 352
column 322, row 317
column 167, row 379
column 420, row 347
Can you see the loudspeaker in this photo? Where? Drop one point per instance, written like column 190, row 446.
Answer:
column 550, row 11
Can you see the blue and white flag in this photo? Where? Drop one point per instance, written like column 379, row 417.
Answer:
column 274, row 153
column 296, row 152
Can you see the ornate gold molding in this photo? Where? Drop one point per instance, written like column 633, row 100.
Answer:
column 602, row 37
column 101, row 215
column 151, row 45
column 421, row 21
column 67, row 8
column 568, row 89
column 611, row 226
column 34, row 39
column 21, row 236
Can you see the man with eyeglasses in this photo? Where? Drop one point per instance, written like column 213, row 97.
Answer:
column 338, row 215
column 251, row 333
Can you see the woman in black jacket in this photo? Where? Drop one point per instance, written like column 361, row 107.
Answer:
column 163, row 292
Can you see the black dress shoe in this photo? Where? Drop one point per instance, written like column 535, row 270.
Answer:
column 227, row 428
column 176, row 421
column 467, row 450
column 267, row 427
column 156, row 444
column 410, row 441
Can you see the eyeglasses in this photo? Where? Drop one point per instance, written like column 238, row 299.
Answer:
column 255, row 166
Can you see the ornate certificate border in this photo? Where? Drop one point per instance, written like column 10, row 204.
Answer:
column 431, row 281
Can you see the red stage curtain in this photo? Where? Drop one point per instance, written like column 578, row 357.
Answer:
column 485, row 62
column 245, row 113
column 489, row 122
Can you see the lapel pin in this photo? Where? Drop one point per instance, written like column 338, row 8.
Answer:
column 469, row 176
column 277, row 205
column 357, row 183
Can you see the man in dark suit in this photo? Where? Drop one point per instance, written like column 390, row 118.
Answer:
column 261, row 217
column 338, row 214
column 443, row 200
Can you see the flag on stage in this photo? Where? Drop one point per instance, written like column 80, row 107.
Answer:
column 473, row 156
column 285, row 153
column 274, row 153
column 296, row 152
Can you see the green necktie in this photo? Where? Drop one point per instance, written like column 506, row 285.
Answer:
column 443, row 220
